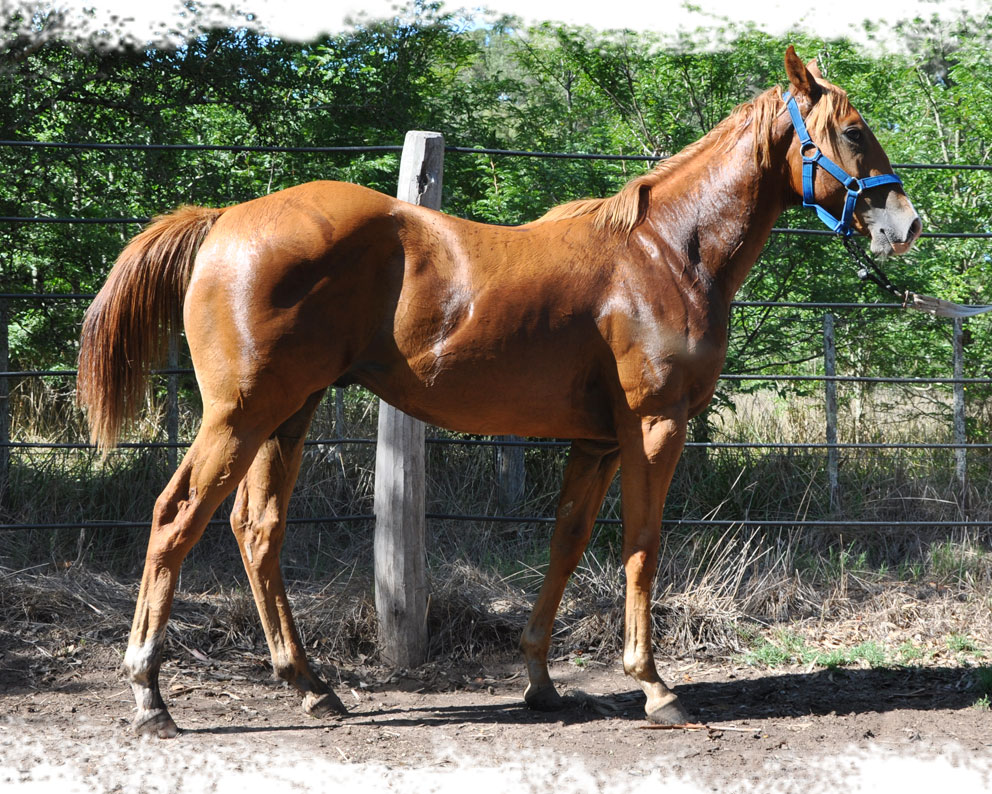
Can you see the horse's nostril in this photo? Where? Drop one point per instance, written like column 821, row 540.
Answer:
column 914, row 229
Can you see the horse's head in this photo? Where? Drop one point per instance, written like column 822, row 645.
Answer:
column 839, row 167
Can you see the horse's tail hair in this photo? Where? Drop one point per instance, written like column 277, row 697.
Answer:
column 126, row 328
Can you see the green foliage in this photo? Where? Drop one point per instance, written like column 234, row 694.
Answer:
column 550, row 88
column 547, row 88
column 959, row 643
column 786, row 648
column 908, row 653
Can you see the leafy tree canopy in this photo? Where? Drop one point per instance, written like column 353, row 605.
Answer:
column 542, row 88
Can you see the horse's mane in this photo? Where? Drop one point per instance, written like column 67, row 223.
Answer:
column 621, row 212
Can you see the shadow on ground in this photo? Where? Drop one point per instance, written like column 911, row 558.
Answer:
column 765, row 696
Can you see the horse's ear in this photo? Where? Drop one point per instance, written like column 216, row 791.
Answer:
column 814, row 69
column 801, row 77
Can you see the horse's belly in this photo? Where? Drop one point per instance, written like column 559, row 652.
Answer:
column 495, row 400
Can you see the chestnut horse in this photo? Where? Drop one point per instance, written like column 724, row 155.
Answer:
column 605, row 322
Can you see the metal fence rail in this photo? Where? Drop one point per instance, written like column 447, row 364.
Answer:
column 397, row 148
column 960, row 445
column 832, row 448
column 756, row 523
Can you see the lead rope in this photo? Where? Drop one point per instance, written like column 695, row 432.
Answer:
column 868, row 270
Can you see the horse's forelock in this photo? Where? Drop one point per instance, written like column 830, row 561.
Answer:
column 822, row 121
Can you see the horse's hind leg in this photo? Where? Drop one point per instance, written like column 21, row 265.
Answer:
column 259, row 524
column 588, row 476
column 218, row 458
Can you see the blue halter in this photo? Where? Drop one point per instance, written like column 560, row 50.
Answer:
column 853, row 185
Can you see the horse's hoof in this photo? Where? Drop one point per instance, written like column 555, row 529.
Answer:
column 544, row 698
column 321, row 705
column 156, row 723
column 671, row 713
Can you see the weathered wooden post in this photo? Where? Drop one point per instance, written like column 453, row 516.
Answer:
column 400, row 555
column 960, row 425
column 510, row 473
column 830, row 370
column 339, row 413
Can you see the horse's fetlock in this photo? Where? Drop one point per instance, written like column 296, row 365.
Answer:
column 285, row 670
column 637, row 665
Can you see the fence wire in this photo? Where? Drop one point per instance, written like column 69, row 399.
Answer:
column 7, row 445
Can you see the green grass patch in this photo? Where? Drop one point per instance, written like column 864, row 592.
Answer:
column 785, row 649
column 908, row 654
column 788, row 648
column 966, row 647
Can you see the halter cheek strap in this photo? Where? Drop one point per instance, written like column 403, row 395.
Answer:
column 853, row 185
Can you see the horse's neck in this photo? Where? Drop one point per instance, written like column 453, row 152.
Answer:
column 717, row 210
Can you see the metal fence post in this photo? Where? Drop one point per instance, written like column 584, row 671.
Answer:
column 830, row 370
column 960, row 426
column 4, row 406
column 172, row 403
column 399, row 547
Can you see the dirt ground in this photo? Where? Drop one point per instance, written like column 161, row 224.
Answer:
column 911, row 729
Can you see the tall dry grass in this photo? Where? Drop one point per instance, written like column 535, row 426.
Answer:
column 716, row 586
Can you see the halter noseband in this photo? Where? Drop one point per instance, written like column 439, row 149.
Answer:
column 853, row 185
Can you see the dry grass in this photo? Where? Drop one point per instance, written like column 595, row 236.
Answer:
column 718, row 588
column 711, row 613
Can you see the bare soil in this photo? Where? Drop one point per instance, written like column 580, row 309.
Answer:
column 65, row 726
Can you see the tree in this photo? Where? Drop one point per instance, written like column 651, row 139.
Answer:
column 554, row 89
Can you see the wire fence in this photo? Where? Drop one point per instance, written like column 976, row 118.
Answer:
column 960, row 445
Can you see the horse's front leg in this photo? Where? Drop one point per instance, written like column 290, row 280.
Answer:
column 648, row 455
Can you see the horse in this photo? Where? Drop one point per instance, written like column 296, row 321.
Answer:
column 605, row 321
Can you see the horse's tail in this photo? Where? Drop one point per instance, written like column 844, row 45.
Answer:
column 126, row 328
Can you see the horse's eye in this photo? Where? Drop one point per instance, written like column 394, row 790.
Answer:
column 853, row 134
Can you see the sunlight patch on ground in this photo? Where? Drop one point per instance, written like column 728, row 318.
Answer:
column 194, row 764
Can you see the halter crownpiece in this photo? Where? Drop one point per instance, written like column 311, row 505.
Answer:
column 854, row 185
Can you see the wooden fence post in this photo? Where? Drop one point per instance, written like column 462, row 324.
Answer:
column 960, row 426
column 399, row 548
column 510, row 474
column 339, row 412
column 830, row 370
